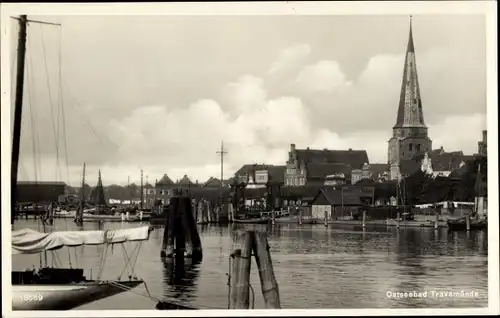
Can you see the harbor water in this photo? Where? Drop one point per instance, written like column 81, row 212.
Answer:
column 315, row 266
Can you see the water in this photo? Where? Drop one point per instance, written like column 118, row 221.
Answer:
column 316, row 267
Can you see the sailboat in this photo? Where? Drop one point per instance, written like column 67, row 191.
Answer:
column 57, row 288
column 66, row 288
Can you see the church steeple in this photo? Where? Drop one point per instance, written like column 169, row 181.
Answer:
column 409, row 135
column 410, row 113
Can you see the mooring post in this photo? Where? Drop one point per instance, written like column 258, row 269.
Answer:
column 209, row 212
column 326, row 218
column 268, row 283
column 397, row 219
column 240, row 281
column 364, row 219
column 167, row 249
column 467, row 222
column 217, row 214
column 230, row 208
column 300, row 216
column 273, row 217
column 192, row 235
column 436, row 223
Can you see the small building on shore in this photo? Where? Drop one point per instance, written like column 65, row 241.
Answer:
column 40, row 191
column 335, row 204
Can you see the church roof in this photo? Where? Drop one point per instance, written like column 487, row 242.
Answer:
column 410, row 112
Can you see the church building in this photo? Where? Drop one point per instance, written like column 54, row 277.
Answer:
column 410, row 134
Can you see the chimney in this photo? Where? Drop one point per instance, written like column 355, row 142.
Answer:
column 484, row 135
column 292, row 147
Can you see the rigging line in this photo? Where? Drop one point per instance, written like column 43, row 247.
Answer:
column 77, row 106
column 50, row 102
column 32, row 118
column 62, row 107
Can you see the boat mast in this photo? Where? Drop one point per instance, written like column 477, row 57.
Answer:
column 16, row 137
column 142, row 191
column 82, row 199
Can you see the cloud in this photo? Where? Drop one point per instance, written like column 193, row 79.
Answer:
column 316, row 107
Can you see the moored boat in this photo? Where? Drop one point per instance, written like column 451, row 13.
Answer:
column 461, row 224
column 67, row 288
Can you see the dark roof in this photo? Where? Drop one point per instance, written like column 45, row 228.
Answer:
column 379, row 167
column 52, row 183
column 354, row 158
column 321, row 170
column 276, row 173
column 335, row 197
column 185, row 181
column 440, row 160
column 212, row 183
column 165, row 180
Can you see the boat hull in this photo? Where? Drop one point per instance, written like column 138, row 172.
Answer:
column 252, row 221
column 462, row 226
column 64, row 297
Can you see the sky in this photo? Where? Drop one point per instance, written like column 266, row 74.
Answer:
column 160, row 93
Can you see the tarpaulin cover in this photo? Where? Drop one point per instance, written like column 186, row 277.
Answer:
column 27, row 241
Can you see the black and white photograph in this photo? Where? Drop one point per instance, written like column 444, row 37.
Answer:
column 293, row 156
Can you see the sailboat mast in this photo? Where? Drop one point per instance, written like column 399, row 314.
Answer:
column 16, row 137
column 142, row 191
column 82, row 200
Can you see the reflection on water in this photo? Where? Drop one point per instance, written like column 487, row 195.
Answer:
column 315, row 266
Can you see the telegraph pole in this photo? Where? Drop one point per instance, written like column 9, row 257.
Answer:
column 222, row 152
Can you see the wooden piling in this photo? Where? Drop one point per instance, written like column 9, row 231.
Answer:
column 217, row 214
column 240, row 281
column 230, row 212
column 273, row 217
column 192, row 236
column 364, row 219
column 326, row 218
column 268, row 283
column 209, row 212
column 167, row 248
column 436, row 223
column 300, row 216
column 398, row 216
column 467, row 222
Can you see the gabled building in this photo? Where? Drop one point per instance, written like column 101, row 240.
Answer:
column 436, row 163
column 312, row 166
column 378, row 172
column 258, row 175
column 482, row 146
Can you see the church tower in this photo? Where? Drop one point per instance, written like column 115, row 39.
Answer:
column 409, row 135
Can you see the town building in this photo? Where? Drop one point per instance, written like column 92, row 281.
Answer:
column 312, row 166
column 435, row 163
column 164, row 188
column 378, row 172
column 482, row 146
column 258, row 175
column 410, row 134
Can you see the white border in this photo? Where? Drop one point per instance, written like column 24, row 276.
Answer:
column 487, row 8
